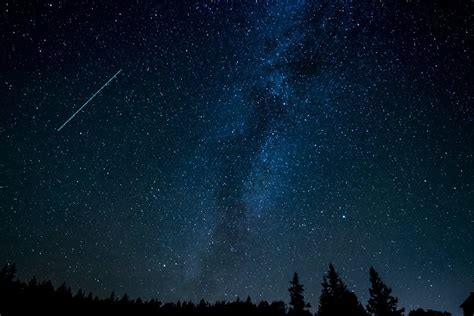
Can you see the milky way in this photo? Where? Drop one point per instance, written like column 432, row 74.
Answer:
column 243, row 141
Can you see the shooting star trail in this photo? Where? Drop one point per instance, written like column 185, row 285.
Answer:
column 90, row 99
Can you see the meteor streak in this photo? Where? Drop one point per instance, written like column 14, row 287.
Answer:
column 90, row 99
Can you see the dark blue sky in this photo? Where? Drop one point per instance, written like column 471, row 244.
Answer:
column 241, row 142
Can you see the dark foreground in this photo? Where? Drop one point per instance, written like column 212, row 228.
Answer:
column 42, row 298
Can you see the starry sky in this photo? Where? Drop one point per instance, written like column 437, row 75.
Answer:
column 242, row 141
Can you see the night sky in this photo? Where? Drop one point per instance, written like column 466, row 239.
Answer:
column 241, row 142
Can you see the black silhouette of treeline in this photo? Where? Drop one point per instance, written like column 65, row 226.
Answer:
column 25, row 298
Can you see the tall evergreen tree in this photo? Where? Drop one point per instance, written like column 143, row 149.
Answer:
column 79, row 297
column 125, row 299
column 112, row 298
column 336, row 299
column 381, row 302
column 297, row 303
column 8, row 273
column 63, row 292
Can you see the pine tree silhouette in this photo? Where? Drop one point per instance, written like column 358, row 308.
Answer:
column 64, row 292
column 381, row 302
column 79, row 297
column 336, row 299
column 112, row 298
column 125, row 299
column 298, row 306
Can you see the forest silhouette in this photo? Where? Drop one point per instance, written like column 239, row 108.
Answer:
column 22, row 298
